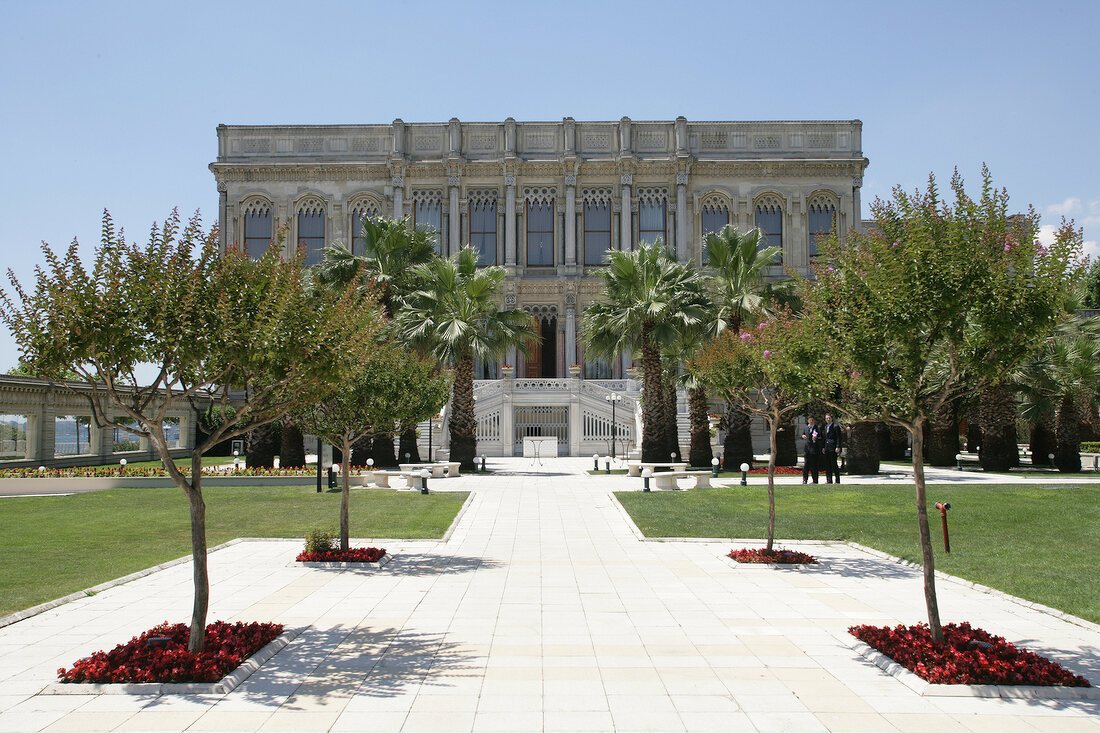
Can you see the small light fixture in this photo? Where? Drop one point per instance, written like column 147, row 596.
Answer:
column 595, row 461
column 714, row 468
column 744, row 474
column 424, row 473
column 483, row 463
column 370, row 464
column 646, row 474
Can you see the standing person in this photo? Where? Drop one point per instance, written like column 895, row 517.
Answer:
column 830, row 448
column 811, row 451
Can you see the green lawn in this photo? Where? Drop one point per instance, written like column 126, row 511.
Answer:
column 53, row 546
column 1039, row 544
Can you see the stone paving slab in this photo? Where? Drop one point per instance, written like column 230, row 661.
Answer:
column 543, row 610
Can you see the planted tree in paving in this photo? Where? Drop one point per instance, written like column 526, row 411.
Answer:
column 392, row 388
column 220, row 329
column 936, row 302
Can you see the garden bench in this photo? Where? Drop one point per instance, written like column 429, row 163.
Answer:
column 668, row 479
column 435, row 468
column 635, row 468
column 381, row 479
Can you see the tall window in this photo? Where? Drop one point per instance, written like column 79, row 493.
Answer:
column 715, row 216
column 429, row 212
column 651, row 220
column 769, row 220
column 257, row 229
column 483, row 230
column 540, row 233
column 311, row 233
column 360, row 212
column 822, row 222
column 597, row 231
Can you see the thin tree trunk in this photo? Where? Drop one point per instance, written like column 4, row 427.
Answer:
column 737, row 448
column 463, row 424
column 773, row 441
column 699, row 453
column 200, row 573
column 345, row 494
column 916, row 429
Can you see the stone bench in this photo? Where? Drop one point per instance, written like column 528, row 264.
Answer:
column 667, row 480
column 381, row 479
column 437, row 468
column 635, row 468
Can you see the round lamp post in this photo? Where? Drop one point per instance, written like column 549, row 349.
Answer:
column 607, row 464
column 370, row 464
column 236, row 460
column 744, row 474
column 483, row 463
column 595, row 461
column 614, row 398
column 646, row 473
column 424, row 473
column 714, row 468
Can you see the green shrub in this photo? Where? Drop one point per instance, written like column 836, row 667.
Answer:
column 320, row 540
column 1090, row 447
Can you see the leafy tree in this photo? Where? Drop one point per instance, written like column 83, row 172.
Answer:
column 1092, row 285
column 391, row 247
column 649, row 300
column 936, row 302
column 772, row 371
column 22, row 370
column 740, row 289
column 392, row 389
column 220, row 331
column 453, row 315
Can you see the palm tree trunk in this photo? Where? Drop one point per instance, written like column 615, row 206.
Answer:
column 998, row 415
column 699, row 453
column 382, row 451
column 786, row 448
column 292, row 449
column 737, row 448
column 408, row 451
column 863, row 449
column 942, row 436
column 1067, row 429
column 463, row 423
column 1042, row 440
column 927, row 557
column 671, row 425
column 259, row 446
column 651, row 399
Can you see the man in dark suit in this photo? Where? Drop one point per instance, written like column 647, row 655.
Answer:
column 830, row 448
column 811, row 451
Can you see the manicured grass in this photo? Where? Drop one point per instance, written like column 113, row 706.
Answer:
column 1035, row 543
column 53, row 546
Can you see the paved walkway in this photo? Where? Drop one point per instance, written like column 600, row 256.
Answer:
column 544, row 611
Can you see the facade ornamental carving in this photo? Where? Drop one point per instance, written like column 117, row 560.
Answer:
column 454, row 180
column 570, row 180
column 510, row 299
column 510, row 180
column 626, row 179
column 398, row 181
column 681, row 179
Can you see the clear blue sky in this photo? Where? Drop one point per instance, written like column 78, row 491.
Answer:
column 114, row 104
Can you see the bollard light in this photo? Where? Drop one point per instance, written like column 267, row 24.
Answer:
column 646, row 473
column 332, row 476
column 744, row 474
column 424, row 473
column 483, row 463
column 714, row 468
column 370, row 464
column 1051, row 457
column 672, row 455
column 595, row 461
column 607, row 465
column 41, row 469
column 959, row 461
column 407, row 456
column 236, row 460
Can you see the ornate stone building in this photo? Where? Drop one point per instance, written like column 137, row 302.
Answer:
column 546, row 200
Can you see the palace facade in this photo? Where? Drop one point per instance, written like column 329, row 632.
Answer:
column 546, row 200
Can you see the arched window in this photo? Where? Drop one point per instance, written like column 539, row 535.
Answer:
column 428, row 212
column 651, row 214
column 769, row 220
column 483, row 225
column 597, row 224
column 715, row 215
column 311, row 230
column 822, row 221
column 358, row 212
column 256, row 219
column 540, row 226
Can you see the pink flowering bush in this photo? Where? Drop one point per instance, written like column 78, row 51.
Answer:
column 967, row 656
column 166, row 658
column 352, row 554
column 783, row 557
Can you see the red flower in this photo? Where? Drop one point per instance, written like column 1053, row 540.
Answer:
column 352, row 554
column 760, row 555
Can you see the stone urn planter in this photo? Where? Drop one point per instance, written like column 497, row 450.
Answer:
column 507, row 371
column 575, row 370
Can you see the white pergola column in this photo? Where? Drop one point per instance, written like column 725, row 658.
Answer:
column 683, row 252
column 455, row 232
column 624, row 227
column 510, row 221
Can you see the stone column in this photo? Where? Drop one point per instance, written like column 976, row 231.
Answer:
column 571, row 336
column 683, row 253
column 571, row 221
column 455, row 233
column 857, row 207
column 624, row 227
column 510, row 222
column 398, row 197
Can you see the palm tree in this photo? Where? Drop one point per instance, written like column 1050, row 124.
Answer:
column 682, row 351
column 453, row 314
column 392, row 247
column 740, row 288
column 649, row 299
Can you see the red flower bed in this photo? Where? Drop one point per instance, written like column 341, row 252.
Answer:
column 786, row 557
column 352, row 554
column 167, row 658
column 779, row 471
column 968, row 656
